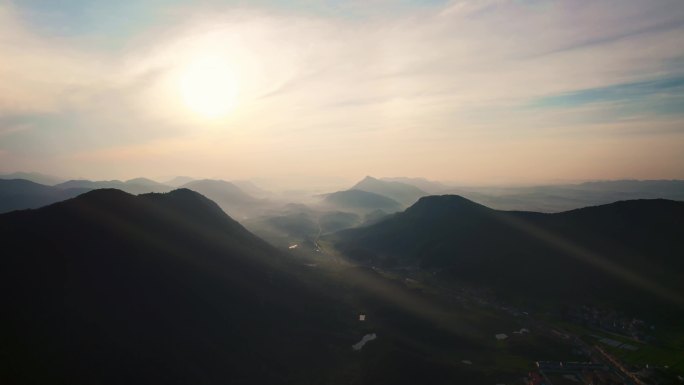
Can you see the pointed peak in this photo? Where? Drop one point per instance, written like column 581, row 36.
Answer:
column 367, row 180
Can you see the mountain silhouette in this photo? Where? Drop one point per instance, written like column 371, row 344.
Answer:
column 423, row 184
column 627, row 253
column 112, row 288
column 35, row 177
column 179, row 181
column 361, row 200
column 132, row 186
column 252, row 189
column 232, row 199
column 563, row 197
column 403, row 193
column 20, row 194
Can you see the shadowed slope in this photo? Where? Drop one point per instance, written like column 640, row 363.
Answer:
column 622, row 253
column 161, row 288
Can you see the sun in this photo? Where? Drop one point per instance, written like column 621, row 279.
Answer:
column 209, row 87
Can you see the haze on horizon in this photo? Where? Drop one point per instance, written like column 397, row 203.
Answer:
column 472, row 91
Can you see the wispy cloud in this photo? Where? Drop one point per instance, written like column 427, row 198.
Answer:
column 389, row 83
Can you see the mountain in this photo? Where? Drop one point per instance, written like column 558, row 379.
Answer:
column 231, row 198
column 179, row 181
column 431, row 187
column 667, row 189
column 337, row 220
column 626, row 253
column 35, row 177
column 374, row 217
column 112, row 288
column 20, row 194
column 557, row 198
column 403, row 193
column 252, row 189
column 361, row 201
column 132, row 186
column 297, row 223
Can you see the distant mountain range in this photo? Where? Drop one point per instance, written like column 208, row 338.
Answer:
column 628, row 252
column 561, row 197
column 252, row 189
column 542, row 198
column 359, row 200
column 34, row 177
column 179, row 181
column 430, row 187
column 19, row 194
column 232, row 199
column 131, row 186
column 403, row 193
column 16, row 194
column 113, row 288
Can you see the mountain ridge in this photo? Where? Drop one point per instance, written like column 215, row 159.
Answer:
column 361, row 200
column 403, row 193
column 630, row 247
column 153, row 288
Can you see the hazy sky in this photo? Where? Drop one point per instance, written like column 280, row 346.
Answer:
column 474, row 91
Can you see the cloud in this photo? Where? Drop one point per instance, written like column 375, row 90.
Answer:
column 454, row 73
column 39, row 74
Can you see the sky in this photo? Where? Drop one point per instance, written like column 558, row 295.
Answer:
column 469, row 91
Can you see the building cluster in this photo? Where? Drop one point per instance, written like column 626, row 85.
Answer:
column 610, row 321
column 562, row 373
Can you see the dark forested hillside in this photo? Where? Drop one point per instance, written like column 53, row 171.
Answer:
column 628, row 253
column 160, row 288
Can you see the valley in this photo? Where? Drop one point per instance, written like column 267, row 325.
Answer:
column 359, row 317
